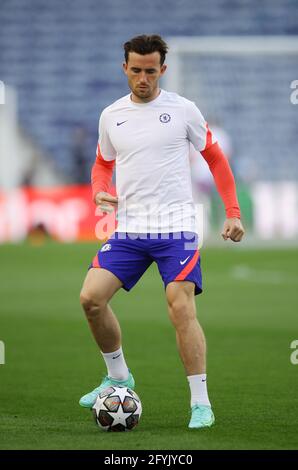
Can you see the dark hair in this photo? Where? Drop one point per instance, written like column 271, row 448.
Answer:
column 146, row 45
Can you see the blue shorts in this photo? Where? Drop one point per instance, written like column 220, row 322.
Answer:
column 128, row 256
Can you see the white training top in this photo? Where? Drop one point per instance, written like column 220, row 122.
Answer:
column 150, row 142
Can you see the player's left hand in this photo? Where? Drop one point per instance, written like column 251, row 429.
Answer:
column 233, row 229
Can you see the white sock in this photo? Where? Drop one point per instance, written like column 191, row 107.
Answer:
column 116, row 365
column 198, row 389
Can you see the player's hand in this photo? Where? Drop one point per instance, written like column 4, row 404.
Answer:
column 233, row 229
column 106, row 202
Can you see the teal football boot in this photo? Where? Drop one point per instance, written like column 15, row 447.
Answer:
column 88, row 400
column 201, row 417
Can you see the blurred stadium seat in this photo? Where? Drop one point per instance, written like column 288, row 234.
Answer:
column 64, row 58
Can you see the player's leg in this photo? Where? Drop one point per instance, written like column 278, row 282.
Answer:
column 178, row 260
column 189, row 334
column 98, row 288
column 119, row 263
column 192, row 348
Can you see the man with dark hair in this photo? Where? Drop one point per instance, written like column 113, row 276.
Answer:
column 146, row 45
column 147, row 134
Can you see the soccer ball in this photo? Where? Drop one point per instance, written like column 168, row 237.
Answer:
column 117, row 409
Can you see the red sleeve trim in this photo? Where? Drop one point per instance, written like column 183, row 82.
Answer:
column 224, row 179
column 101, row 174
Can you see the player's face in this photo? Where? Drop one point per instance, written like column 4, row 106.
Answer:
column 143, row 73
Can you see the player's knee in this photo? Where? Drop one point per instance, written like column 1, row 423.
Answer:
column 93, row 306
column 180, row 312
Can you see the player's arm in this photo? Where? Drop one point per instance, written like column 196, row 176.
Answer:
column 201, row 137
column 102, row 171
column 226, row 187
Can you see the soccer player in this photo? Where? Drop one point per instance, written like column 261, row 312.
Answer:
column 146, row 135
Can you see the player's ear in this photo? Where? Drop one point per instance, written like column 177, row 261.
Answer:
column 124, row 66
column 163, row 68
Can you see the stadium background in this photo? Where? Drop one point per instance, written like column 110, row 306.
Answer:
column 60, row 65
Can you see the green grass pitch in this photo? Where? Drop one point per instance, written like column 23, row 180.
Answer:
column 249, row 314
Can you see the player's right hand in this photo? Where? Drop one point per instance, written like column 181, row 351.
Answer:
column 106, row 202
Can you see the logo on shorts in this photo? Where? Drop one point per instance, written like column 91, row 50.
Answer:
column 184, row 261
column 106, row 247
column 164, row 118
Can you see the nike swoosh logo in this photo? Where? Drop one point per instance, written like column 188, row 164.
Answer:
column 183, row 262
column 119, row 123
column 115, row 357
